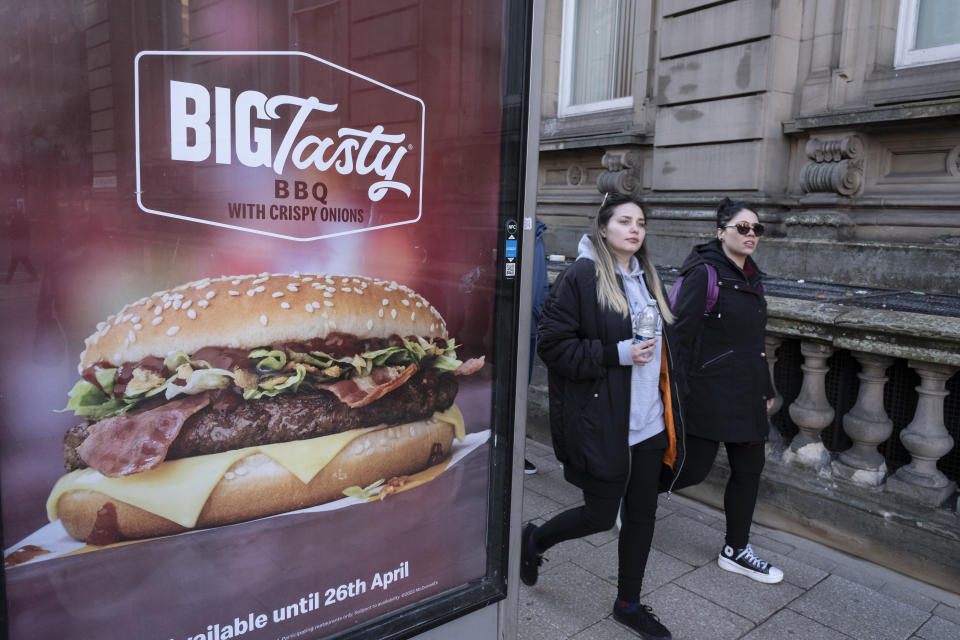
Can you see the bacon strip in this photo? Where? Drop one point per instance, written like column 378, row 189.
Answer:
column 359, row 392
column 470, row 366
column 131, row 443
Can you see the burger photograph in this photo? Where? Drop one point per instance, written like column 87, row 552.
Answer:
column 234, row 398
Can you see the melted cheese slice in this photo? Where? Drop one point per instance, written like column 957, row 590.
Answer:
column 178, row 489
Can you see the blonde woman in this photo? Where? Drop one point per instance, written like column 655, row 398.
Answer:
column 611, row 416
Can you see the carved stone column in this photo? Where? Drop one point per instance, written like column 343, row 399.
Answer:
column 811, row 411
column 867, row 425
column 926, row 439
column 772, row 343
column 624, row 172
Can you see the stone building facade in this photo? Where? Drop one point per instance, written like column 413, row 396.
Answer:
column 838, row 121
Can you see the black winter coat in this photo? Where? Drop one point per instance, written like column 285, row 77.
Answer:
column 589, row 388
column 727, row 379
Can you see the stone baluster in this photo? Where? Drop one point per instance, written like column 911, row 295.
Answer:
column 867, row 425
column 811, row 411
column 772, row 343
column 927, row 440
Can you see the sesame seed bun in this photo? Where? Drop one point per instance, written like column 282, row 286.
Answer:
column 257, row 310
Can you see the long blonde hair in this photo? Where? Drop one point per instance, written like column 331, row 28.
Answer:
column 609, row 294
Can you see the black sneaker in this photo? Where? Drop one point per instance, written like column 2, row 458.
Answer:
column 744, row 562
column 530, row 560
column 640, row 618
column 528, row 467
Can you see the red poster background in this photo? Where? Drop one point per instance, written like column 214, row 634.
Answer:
column 68, row 163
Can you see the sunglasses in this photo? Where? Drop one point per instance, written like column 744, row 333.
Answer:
column 743, row 228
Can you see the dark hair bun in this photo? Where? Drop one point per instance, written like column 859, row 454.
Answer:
column 727, row 209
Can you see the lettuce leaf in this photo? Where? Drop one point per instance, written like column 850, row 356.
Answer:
column 276, row 372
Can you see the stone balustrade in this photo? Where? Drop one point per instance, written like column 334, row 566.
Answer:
column 876, row 339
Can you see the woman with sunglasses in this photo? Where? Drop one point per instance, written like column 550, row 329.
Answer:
column 611, row 429
column 728, row 387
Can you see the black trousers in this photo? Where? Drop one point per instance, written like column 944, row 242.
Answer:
column 599, row 513
column 740, row 497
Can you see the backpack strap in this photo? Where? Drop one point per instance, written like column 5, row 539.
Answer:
column 713, row 289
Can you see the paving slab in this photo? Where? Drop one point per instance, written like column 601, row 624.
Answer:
column 536, row 505
column 790, row 624
column 762, row 541
column 909, row 594
column 814, row 558
column 795, row 572
column 939, row 629
column 690, row 617
column 859, row 611
column 661, row 568
column 948, row 598
column 607, row 629
column 541, row 455
column 602, row 538
column 563, row 603
column 704, row 517
column 565, row 552
column 753, row 600
column 862, row 572
column 950, row 613
column 665, row 507
column 687, row 540
column 552, row 485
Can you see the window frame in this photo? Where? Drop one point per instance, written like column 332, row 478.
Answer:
column 908, row 56
column 567, row 38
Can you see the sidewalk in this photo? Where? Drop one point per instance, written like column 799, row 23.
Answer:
column 825, row 595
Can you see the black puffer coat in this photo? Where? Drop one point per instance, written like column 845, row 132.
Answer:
column 727, row 379
column 590, row 389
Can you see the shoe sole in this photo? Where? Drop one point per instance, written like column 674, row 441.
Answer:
column 645, row 636
column 729, row 565
column 527, row 580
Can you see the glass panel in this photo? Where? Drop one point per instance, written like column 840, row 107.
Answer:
column 161, row 146
column 938, row 23
column 603, row 51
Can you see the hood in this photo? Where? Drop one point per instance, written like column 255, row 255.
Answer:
column 713, row 253
column 585, row 249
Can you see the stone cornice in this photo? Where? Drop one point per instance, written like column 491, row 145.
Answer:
column 899, row 334
column 888, row 114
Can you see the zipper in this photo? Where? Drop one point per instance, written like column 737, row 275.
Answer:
column 676, row 392
column 714, row 359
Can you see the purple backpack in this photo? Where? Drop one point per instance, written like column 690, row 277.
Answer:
column 713, row 289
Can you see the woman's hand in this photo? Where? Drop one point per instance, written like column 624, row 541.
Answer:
column 642, row 352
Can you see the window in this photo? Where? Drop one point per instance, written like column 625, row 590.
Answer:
column 596, row 62
column 928, row 32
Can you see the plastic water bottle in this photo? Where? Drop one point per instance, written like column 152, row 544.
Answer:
column 645, row 322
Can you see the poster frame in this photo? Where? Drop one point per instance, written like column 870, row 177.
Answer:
column 437, row 610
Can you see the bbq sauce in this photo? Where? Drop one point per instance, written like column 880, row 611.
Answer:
column 90, row 374
column 105, row 530
column 436, row 454
column 224, row 358
column 125, row 373
column 25, row 553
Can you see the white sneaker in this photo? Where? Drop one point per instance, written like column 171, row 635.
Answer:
column 744, row 562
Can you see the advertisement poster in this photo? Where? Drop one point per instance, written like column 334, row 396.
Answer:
column 255, row 264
